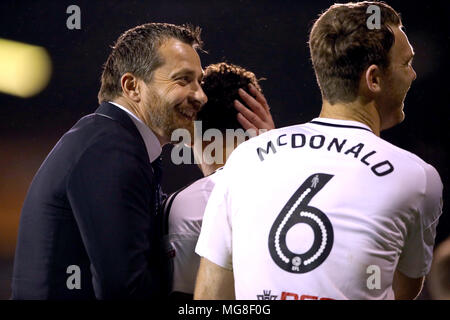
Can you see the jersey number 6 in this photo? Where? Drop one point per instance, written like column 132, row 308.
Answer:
column 296, row 211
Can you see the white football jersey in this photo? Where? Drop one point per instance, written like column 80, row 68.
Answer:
column 184, row 211
column 322, row 210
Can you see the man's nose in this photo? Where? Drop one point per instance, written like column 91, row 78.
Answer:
column 199, row 96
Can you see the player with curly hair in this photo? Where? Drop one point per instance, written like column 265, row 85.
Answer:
column 225, row 109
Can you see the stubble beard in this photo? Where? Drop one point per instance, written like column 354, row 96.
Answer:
column 394, row 111
column 163, row 117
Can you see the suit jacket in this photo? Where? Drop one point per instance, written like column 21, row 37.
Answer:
column 88, row 227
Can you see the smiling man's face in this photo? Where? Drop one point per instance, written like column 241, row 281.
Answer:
column 399, row 76
column 174, row 95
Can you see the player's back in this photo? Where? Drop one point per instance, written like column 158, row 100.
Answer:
column 327, row 210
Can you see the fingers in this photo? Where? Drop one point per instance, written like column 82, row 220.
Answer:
column 256, row 112
column 251, row 117
column 253, row 104
column 259, row 97
column 245, row 123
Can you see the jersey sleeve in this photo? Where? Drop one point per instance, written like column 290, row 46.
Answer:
column 416, row 257
column 185, row 220
column 214, row 242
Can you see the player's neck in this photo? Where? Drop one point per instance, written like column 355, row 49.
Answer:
column 364, row 112
column 217, row 160
column 208, row 169
column 204, row 160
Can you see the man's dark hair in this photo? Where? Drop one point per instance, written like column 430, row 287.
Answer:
column 342, row 47
column 136, row 51
column 221, row 83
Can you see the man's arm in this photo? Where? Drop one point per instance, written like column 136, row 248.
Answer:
column 406, row 288
column 109, row 192
column 417, row 253
column 213, row 282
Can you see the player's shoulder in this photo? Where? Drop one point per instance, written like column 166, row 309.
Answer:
column 267, row 136
column 246, row 154
column 192, row 197
column 407, row 158
column 205, row 184
column 426, row 178
column 428, row 182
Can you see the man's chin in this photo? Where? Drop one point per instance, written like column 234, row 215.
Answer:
column 395, row 120
column 401, row 115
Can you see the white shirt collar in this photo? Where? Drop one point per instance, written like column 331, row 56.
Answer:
column 151, row 141
column 343, row 122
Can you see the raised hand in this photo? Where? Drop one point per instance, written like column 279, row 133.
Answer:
column 257, row 116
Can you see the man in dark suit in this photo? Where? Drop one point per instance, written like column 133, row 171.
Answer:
column 89, row 228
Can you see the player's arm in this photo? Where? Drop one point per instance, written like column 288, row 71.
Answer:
column 406, row 288
column 256, row 115
column 417, row 253
column 215, row 279
column 213, row 282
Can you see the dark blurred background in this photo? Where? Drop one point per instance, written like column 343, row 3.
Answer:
column 267, row 37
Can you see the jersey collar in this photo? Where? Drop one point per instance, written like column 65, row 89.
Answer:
column 338, row 123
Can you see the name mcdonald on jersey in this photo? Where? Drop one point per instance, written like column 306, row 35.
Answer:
column 300, row 140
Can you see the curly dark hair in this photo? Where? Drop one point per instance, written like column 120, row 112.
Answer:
column 342, row 47
column 221, row 83
column 136, row 51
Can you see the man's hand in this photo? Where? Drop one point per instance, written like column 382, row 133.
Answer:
column 257, row 116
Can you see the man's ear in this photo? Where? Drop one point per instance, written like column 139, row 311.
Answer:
column 131, row 87
column 373, row 79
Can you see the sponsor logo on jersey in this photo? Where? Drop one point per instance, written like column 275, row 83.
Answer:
column 266, row 295
column 298, row 296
